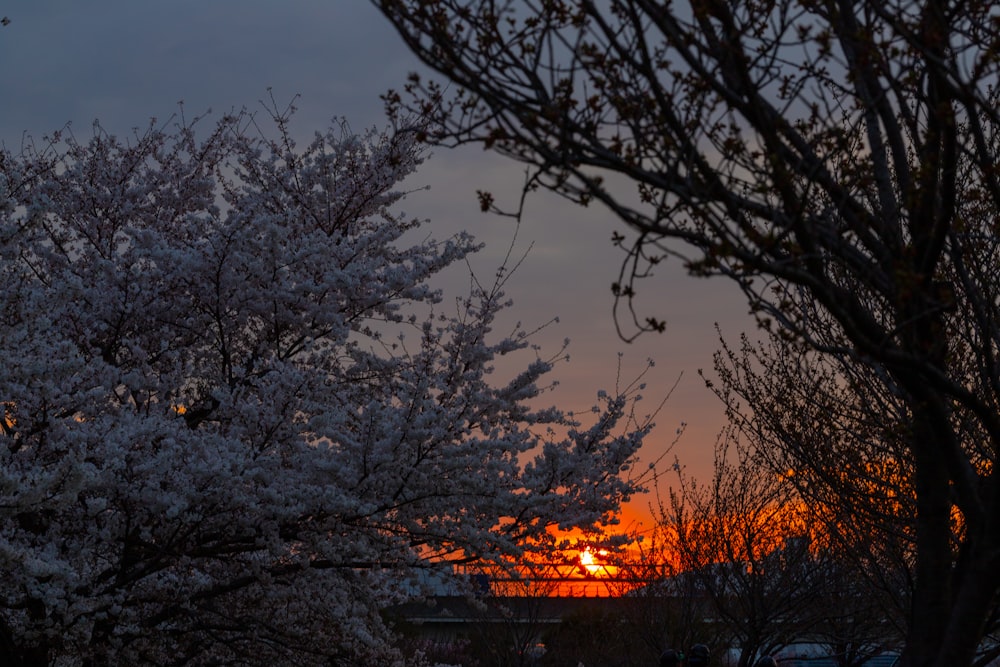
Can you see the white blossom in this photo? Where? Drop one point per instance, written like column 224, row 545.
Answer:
column 210, row 452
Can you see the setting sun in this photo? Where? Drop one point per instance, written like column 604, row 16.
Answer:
column 592, row 563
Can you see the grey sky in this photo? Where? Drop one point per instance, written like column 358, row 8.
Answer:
column 125, row 61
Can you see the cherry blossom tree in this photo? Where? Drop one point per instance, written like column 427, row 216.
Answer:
column 237, row 419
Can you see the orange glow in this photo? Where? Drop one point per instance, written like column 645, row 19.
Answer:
column 592, row 563
column 9, row 421
column 579, row 563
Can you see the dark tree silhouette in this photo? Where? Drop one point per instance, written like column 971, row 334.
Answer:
column 838, row 160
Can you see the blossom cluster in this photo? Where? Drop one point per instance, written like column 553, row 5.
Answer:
column 235, row 420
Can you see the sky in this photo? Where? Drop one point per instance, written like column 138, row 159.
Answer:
column 123, row 62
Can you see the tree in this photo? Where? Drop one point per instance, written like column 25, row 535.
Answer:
column 836, row 160
column 840, row 438
column 842, row 434
column 238, row 420
column 743, row 539
column 663, row 605
column 510, row 617
column 852, row 625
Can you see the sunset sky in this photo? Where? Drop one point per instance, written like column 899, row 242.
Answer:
column 122, row 62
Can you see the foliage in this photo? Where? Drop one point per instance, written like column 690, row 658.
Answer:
column 836, row 160
column 743, row 541
column 764, row 563
column 662, row 606
column 237, row 418
column 841, row 439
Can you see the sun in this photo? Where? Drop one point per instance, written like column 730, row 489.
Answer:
column 590, row 562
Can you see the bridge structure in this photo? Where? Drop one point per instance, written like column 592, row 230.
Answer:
column 578, row 577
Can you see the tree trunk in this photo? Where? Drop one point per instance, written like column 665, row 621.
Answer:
column 931, row 596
